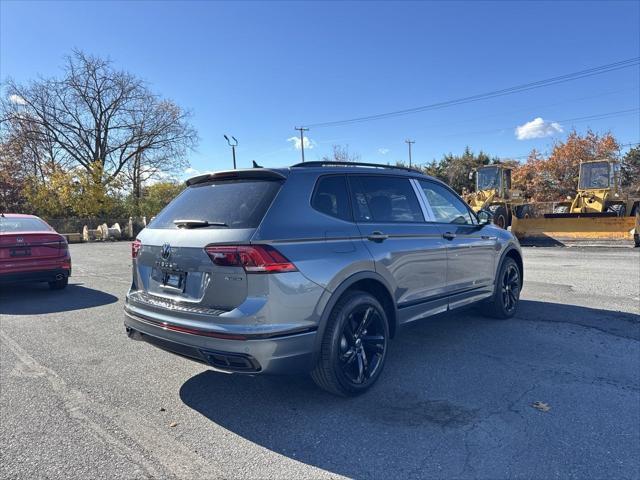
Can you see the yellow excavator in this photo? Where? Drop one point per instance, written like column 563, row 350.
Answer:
column 493, row 192
column 600, row 213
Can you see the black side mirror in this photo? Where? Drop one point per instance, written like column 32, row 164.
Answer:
column 484, row 217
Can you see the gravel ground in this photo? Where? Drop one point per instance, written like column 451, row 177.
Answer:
column 80, row 400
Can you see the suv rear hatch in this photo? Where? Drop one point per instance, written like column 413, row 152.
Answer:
column 174, row 269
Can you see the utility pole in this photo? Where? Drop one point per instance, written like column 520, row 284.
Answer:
column 302, row 130
column 409, row 142
column 233, row 148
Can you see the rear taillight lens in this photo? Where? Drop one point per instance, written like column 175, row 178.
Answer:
column 135, row 248
column 253, row 258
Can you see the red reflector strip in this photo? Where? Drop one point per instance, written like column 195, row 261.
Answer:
column 195, row 331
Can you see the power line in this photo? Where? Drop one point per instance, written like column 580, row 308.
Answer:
column 598, row 116
column 493, row 94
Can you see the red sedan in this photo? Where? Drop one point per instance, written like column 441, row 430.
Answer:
column 32, row 251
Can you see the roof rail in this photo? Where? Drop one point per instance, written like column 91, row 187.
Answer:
column 320, row 163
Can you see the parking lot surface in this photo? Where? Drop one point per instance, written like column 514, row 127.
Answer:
column 78, row 399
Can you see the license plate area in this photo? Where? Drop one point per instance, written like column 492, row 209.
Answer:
column 20, row 252
column 174, row 280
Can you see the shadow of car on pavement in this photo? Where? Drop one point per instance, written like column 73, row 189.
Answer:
column 37, row 299
column 446, row 380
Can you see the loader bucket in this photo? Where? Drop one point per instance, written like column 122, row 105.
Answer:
column 577, row 230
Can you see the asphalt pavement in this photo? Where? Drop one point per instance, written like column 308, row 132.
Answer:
column 78, row 399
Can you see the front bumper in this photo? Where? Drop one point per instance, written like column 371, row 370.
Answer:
column 257, row 351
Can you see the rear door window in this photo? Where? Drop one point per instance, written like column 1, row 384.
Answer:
column 331, row 198
column 384, row 199
column 225, row 203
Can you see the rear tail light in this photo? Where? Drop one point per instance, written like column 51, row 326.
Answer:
column 135, row 248
column 253, row 258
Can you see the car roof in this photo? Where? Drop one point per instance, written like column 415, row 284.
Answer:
column 312, row 167
column 17, row 215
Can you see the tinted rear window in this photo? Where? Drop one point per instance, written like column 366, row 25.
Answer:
column 27, row 224
column 236, row 203
column 331, row 197
column 384, row 199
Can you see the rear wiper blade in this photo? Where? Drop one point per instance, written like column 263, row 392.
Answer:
column 198, row 223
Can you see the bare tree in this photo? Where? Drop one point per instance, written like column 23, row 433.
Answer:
column 341, row 154
column 100, row 118
column 34, row 149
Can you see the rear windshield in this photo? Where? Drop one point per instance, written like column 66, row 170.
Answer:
column 22, row 224
column 227, row 203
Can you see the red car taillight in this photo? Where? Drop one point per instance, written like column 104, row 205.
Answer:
column 135, row 248
column 253, row 258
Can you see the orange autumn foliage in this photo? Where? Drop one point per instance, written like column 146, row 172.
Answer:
column 556, row 176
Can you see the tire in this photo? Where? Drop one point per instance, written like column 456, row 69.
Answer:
column 59, row 284
column 500, row 216
column 619, row 209
column 353, row 349
column 524, row 211
column 561, row 209
column 504, row 302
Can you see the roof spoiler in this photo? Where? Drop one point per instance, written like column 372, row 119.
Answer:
column 254, row 173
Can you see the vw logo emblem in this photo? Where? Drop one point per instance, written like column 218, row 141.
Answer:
column 166, row 251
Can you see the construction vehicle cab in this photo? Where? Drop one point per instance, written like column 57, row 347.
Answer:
column 493, row 193
column 599, row 192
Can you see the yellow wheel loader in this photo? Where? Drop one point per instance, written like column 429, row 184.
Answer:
column 493, row 193
column 600, row 213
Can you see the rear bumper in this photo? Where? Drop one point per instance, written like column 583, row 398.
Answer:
column 34, row 276
column 284, row 353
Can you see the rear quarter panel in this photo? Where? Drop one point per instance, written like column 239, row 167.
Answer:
column 325, row 249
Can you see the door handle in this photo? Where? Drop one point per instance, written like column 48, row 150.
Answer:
column 488, row 237
column 377, row 236
column 449, row 235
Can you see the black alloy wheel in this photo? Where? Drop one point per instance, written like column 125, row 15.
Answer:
column 510, row 288
column 354, row 345
column 506, row 295
column 362, row 344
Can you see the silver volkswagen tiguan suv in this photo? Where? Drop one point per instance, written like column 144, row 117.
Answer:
column 312, row 268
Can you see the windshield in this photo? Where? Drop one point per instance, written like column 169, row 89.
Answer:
column 488, row 179
column 594, row 175
column 22, row 224
column 219, row 204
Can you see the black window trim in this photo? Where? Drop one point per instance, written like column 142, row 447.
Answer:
column 385, row 175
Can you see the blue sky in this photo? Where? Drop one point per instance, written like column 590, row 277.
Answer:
column 256, row 70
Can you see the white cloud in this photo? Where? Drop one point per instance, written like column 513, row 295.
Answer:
column 191, row 171
column 537, row 128
column 308, row 143
column 17, row 99
column 383, row 151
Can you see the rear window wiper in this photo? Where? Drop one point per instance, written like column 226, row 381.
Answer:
column 198, row 224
